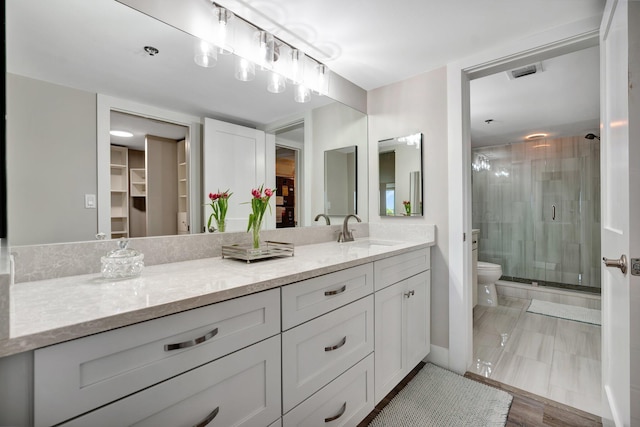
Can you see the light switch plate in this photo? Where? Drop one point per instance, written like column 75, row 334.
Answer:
column 89, row 201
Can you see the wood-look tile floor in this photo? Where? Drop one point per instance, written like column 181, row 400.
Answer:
column 527, row 409
column 554, row 358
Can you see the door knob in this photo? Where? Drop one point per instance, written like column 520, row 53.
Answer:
column 620, row 263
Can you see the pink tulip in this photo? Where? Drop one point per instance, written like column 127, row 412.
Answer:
column 256, row 193
column 268, row 192
column 212, row 196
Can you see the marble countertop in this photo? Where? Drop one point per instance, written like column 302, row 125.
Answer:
column 52, row 311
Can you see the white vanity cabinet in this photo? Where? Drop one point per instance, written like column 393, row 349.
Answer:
column 402, row 321
column 78, row 376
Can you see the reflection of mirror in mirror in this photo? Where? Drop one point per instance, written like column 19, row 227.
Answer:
column 400, row 176
column 54, row 90
column 340, row 181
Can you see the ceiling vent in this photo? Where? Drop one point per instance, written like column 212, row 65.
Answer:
column 525, row 71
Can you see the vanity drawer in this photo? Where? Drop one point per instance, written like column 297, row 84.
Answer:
column 316, row 352
column 345, row 401
column 77, row 376
column 242, row 389
column 311, row 298
column 396, row 268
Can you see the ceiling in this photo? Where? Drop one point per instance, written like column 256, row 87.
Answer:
column 372, row 43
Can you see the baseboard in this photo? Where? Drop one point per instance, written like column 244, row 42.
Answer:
column 438, row 356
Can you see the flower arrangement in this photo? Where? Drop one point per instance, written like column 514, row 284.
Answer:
column 407, row 207
column 219, row 204
column 259, row 204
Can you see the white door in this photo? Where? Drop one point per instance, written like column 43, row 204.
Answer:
column 235, row 158
column 620, row 133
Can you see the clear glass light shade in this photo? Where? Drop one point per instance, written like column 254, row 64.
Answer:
column 276, row 83
column 205, row 54
column 302, row 94
column 297, row 66
column 322, row 79
column 245, row 69
column 225, row 31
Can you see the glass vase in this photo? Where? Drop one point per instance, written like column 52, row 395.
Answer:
column 256, row 235
column 221, row 225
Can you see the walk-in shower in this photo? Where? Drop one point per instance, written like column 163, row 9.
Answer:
column 537, row 205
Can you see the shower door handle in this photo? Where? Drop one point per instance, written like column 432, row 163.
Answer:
column 553, row 212
column 620, row 263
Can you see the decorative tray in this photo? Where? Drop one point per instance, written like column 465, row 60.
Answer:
column 269, row 249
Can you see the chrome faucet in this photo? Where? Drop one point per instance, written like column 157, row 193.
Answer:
column 346, row 235
column 326, row 218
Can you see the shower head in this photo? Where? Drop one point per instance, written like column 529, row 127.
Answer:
column 592, row 136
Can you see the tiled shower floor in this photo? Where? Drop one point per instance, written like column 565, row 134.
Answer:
column 555, row 358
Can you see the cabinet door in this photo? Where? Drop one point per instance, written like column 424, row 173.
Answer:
column 242, row 389
column 390, row 336
column 418, row 306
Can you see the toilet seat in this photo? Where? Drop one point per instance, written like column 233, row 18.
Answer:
column 488, row 266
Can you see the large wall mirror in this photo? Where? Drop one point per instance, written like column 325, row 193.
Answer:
column 68, row 74
column 400, row 172
column 341, row 181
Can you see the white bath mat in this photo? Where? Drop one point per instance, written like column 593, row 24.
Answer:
column 437, row 397
column 564, row 311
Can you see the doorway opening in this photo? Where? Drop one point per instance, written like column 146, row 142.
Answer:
column 289, row 152
column 149, row 183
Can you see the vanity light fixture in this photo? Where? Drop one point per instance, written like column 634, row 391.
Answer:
column 481, row 163
column 245, row 69
column 277, row 83
column 224, row 29
column 302, row 94
column 254, row 46
column 206, row 54
column 121, row 133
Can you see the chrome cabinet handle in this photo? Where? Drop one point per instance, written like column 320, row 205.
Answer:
column 336, row 292
column 342, row 342
column 338, row 415
column 553, row 214
column 409, row 294
column 209, row 418
column 621, row 263
column 191, row 343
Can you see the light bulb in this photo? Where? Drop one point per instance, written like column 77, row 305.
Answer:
column 302, row 94
column 205, row 54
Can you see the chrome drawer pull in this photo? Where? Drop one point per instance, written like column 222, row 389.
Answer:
column 209, row 418
column 340, row 413
column 191, row 343
column 342, row 342
column 336, row 292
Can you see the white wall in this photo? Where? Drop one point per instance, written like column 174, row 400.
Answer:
column 417, row 105
column 51, row 133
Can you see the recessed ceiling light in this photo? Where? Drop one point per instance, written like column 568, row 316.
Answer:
column 121, row 133
column 535, row 136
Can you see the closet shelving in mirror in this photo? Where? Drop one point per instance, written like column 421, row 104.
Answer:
column 119, row 192
column 138, row 182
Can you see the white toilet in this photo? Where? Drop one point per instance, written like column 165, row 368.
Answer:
column 488, row 274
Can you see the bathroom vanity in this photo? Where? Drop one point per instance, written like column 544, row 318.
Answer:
column 284, row 342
